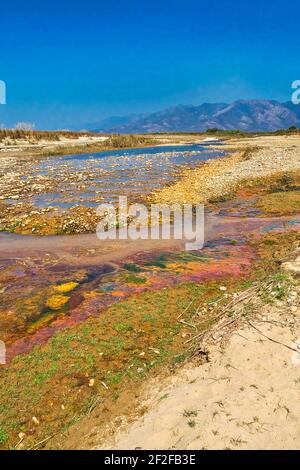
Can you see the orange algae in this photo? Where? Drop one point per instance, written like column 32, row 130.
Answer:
column 118, row 294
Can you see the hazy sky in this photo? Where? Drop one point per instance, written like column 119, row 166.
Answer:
column 73, row 63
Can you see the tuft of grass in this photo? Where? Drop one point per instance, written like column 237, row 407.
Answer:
column 163, row 397
column 3, row 436
column 190, row 413
column 191, row 423
column 123, row 327
column 269, row 242
column 134, row 268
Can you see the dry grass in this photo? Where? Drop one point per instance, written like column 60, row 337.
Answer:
column 280, row 203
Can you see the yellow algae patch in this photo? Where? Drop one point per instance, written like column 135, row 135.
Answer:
column 55, row 302
column 181, row 268
column 198, row 185
column 67, row 287
column 175, row 266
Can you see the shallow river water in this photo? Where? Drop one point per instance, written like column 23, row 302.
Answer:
column 90, row 179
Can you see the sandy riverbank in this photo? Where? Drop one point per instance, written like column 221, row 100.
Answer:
column 246, row 397
column 252, row 158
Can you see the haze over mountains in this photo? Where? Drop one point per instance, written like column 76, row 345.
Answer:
column 247, row 115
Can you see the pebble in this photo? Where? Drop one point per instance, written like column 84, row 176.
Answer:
column 91, row 382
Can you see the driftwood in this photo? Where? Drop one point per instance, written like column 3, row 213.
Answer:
column 38, row 444
column 225, row 318
column 222, row 314
column 272, row 339
column 185, row 310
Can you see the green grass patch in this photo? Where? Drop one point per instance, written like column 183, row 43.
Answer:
column 3, row 436
column 131, row 278
column 134, row 268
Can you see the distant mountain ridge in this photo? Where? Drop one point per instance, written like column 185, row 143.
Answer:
column 246, row 115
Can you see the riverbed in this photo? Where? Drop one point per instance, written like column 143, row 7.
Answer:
column 87, row 180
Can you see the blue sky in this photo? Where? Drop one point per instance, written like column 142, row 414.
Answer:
column 72, row 63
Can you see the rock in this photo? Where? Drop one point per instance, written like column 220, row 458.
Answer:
column 292, row 266
column 91, row 382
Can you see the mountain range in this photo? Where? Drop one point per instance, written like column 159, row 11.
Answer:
column 245, row 115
